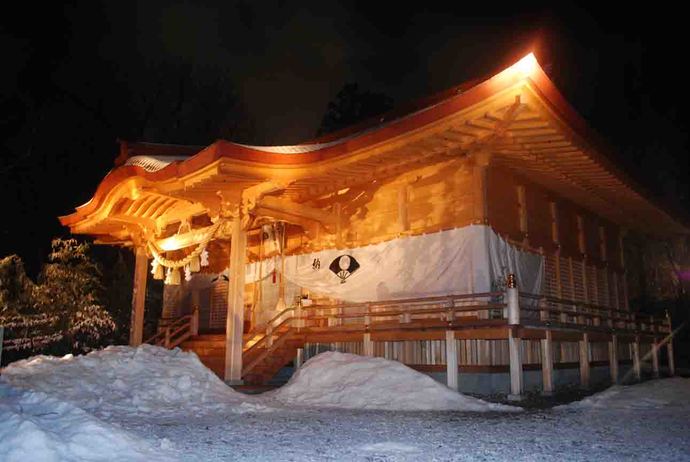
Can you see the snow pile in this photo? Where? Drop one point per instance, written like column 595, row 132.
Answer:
column 142, row 381
column 349, row 381
column 654, row 394
column 36, row 427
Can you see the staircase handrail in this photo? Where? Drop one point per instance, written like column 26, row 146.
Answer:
column 169, row 336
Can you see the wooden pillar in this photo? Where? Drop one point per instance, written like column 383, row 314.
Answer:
column 584, row 361
column 655, row 358
column 613, row 359
column 637, row 367
column 515, row 357
column 136, row 328
column 2, row 336
column 234, row 325
column 451, row 360
column 368, row 345
column 479, row 190
column 299, row 358
column 547, row 364
column 671, row 361
column 669, row 347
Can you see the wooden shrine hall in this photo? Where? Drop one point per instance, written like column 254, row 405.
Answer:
column 476, row 237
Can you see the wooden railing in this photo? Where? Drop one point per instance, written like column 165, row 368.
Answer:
column 367, row 316
column 552, row 311
column 433, row 312
column 173, row 331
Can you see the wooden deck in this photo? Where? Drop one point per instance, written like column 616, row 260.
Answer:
column 416, row 332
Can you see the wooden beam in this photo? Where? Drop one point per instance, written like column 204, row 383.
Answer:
column 180, row 241
column 289, row 207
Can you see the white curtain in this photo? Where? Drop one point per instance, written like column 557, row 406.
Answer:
column 471, row 259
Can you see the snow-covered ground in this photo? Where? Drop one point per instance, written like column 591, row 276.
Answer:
column 151, row 404
column 341, row 380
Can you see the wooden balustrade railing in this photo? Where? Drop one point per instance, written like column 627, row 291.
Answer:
column 174, row 331
column 568, row 313
column 536, row 310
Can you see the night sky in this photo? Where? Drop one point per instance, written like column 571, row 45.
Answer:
column 77, row 76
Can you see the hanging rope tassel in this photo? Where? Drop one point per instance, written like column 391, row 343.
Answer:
column 175, row 277
column 195, row 265
column 204, row 258
column 158, row 271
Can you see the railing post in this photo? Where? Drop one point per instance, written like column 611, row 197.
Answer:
column 194, row 323
column 167, row 337
column 451, row 360
column 368, row 344
column 669, row 346
column 513, row 300
column 298, row 322
column 269, row 335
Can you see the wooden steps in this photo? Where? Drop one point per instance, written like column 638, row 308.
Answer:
column 210, row 349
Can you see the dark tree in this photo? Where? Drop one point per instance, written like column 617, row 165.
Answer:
column 352, row 105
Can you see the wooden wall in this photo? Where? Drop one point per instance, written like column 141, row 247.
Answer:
column 424, row 200
column 582, row 250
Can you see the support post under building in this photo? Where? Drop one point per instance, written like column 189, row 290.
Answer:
column 234, row 326
column 613, row 359
column 451, row 360
column 136, row 328
column 547, row 363
column 584, row 361
column 669, row 347
column 514, row 341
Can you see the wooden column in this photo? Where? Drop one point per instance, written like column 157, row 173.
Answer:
column 637, row 367
column 515, row 356
column 2, row 336
column 584, row 361
column 547, row 364
column 613, row 359
column 234, row 325
column 669, row 347
column 368, row 346
column 136, row 328
column 451, row 360
column 671, row 361
column 479, row 189
column 299, row 358
column 655, row 358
